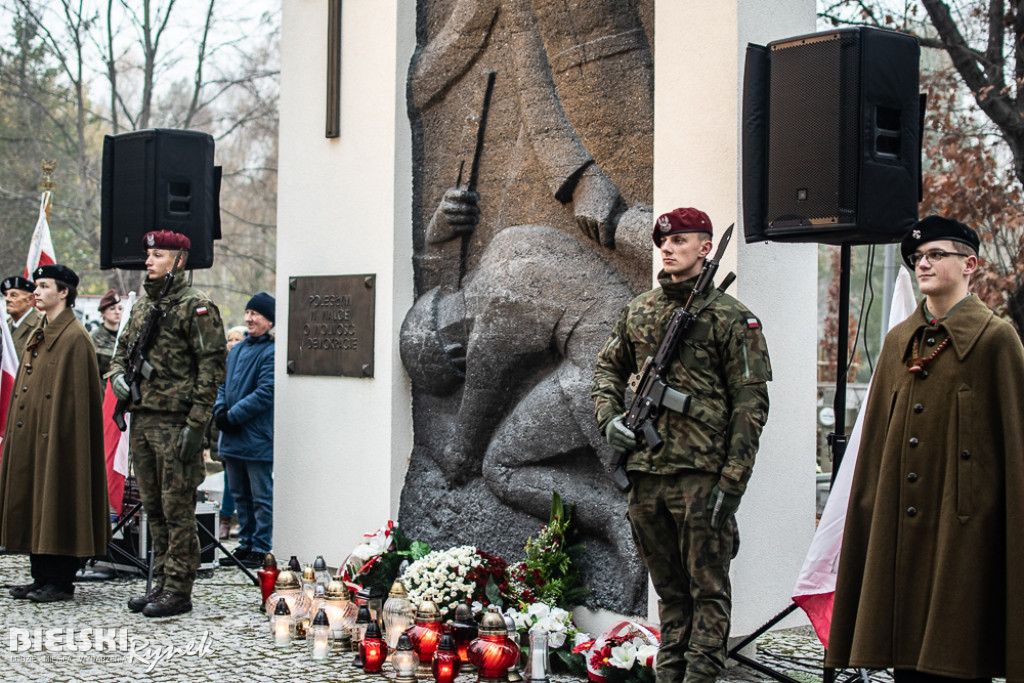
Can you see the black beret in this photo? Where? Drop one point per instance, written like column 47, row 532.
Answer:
column 937, row 228
column 57, row 271
column 17, row 282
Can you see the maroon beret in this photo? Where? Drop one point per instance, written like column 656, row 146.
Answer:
column 109, row 299
column 680, row 220
column 165, row 239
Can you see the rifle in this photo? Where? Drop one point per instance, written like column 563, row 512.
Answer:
column 474, row 169
column 650, row 390
column 138, row 366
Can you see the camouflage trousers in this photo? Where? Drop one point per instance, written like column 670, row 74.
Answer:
column 167, row 486
column 689, row 566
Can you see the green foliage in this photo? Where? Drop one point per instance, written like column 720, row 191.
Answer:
column 573, row 662
column 549, row 574
column 384, row 572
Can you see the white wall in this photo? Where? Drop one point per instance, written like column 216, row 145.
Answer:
column 344, row 207
column 699, row 53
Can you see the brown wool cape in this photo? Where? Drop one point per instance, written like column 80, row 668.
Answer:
column 931, row 575
column 53, row 481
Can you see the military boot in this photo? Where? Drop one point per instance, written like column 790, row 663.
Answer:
column 138, row 603
column 168, row 604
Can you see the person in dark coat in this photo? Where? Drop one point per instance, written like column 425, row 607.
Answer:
column 22, row 316
column 244, row 413
column 931, row 575
column 53, row 482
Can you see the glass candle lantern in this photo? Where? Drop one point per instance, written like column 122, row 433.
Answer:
column 398, row 613
column 282, row 627
column 372, row 649
column 294, row 565
column 341, row 611
column 363, row 622
column 323, row 575
column 464, row 632
column 425, row 634
column 287, row 589
column 537, row 665
column 445, row 663
column 373, row 599
column 319, row 639
column 404, row 660
column 515, row 674
column 267, row 577
column 492, row 653
column 309, row 581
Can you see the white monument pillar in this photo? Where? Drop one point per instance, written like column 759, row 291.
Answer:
column 341, row 444
column 699, row 53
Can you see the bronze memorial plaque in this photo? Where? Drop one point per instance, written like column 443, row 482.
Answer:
column 330, row 325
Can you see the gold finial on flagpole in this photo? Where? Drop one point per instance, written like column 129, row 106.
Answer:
column 48, row 168
column 48, row 185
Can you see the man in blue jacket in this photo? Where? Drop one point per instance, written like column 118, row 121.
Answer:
column 244, row 413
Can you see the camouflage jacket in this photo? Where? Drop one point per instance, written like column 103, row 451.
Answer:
column 723, row 365
column 104, row 342
column 187, row 353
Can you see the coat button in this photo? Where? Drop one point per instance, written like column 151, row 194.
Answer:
column 911, row 512
column 918, row 407
column 28, row 371
column 966, row 455
column 35, row 354
column 913, row 442
column 24, row 388
column 930, row 341
column 47, row 394
column 912, row 477
column 923, row 374
column 19, row 423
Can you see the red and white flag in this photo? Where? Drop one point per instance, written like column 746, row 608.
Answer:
column 114, row 440
column 816, row 585
column 8, row 370
column 40, row 251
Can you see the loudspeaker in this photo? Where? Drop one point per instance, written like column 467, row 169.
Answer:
column 158, row 179
column 832, row 137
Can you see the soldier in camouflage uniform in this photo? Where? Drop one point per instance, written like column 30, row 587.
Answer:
column 685, row 493
column 104, row 336
column 187, row 354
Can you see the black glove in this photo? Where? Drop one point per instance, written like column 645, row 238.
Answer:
column 722, row 506
column 189, row 442
column 224, row 424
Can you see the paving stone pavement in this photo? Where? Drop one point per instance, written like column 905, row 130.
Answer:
column 224, row 638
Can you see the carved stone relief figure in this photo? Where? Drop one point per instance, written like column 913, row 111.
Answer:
column 519, row 282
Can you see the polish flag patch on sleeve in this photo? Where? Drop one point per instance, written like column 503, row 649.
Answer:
column 753, row 323
column 202, row 310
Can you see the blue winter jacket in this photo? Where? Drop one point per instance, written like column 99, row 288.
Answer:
column 248, row 394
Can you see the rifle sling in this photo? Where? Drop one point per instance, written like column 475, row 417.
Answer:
column 673, row 399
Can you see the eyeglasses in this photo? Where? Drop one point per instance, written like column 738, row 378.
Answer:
column 933, row 256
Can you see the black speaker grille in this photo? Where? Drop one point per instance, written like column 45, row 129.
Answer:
column 812, row 148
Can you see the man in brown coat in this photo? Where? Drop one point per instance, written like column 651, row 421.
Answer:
column 53, row 484
column 931, row 576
